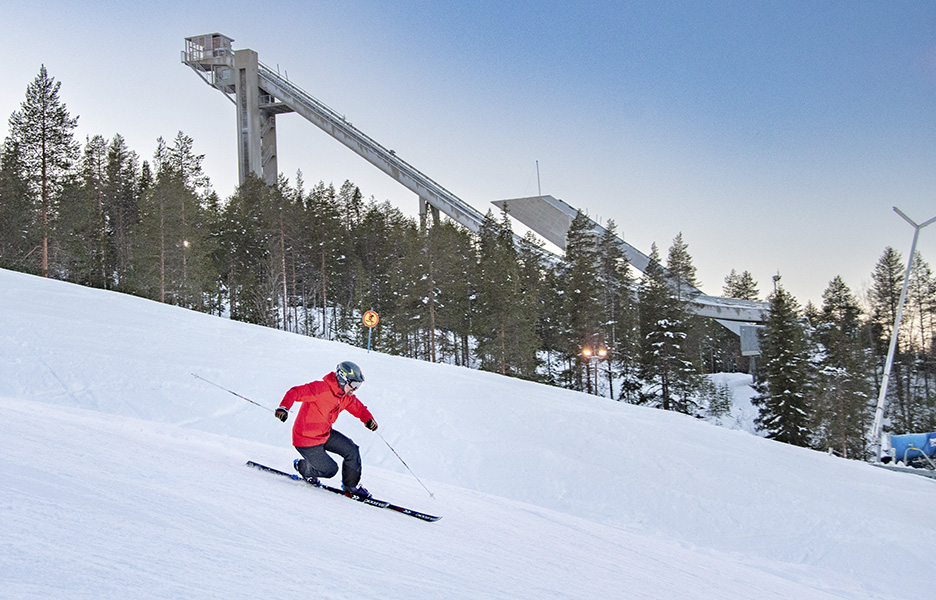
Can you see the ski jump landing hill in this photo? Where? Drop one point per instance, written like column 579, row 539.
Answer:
column 260, row 94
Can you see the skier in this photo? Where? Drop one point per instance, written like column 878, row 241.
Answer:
column 313, row 435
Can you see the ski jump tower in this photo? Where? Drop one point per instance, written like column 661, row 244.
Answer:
column 260, row 94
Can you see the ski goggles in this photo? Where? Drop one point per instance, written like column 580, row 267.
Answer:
column 355, row 384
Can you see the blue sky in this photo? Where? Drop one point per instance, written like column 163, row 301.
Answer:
column 776, row 136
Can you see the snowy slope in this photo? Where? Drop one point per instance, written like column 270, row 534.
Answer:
column 121, row 475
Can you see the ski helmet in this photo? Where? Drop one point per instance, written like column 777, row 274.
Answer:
column 348, row 372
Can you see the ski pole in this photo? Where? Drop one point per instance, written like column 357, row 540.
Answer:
column 431, row 495
column 195, row 375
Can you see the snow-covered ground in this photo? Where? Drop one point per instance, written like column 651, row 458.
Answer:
column 743, row 412
column 122, row 476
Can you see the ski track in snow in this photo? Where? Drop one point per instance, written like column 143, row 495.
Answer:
column 122, row 476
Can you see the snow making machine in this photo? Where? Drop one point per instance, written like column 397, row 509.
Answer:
column 912, row 450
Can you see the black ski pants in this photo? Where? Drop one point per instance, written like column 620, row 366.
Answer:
column 320, row 464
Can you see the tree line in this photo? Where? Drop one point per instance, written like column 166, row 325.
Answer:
column 312, row 260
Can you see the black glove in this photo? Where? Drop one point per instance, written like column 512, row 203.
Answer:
column 371, row 424
column 281, row 414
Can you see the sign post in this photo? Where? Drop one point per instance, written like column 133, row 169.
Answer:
column 370, row 319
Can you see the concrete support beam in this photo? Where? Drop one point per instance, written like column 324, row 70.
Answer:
column 247, row 98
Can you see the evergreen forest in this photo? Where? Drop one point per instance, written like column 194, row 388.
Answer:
column 311, row 258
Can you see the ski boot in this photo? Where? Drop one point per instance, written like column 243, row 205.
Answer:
column 311, row 479
column 357, row 490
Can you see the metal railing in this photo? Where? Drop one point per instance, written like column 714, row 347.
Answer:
column 326, row 113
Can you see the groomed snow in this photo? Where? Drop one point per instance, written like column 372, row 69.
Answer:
column 122, row 476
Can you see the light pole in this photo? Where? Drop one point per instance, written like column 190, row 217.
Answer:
column 602, row 354
column 590, row 355
column 879, row 413
column 587, row 353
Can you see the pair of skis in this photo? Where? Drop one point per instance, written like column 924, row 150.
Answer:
column 366, row 500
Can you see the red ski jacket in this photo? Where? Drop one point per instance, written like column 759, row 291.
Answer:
column 322, row 401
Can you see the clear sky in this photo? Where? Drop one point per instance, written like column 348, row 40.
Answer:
column 776, row 136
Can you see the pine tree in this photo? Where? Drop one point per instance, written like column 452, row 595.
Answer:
column 681, row 271
column 884, row 297
column 920, row 312
column 742, row 287
column 669, row 377
column 325, row 236
column 245, row 255
column 173, row 242
column 43, row 133
column 582, row 302
column 534, row 294
column 350, row 205
column 552, row 327
column 121, row 204
column 717, row 399
column 619, row 324
column 787, row 382
column 844, row 395
column 503, row 326
column 180, row 159
column 451, row 248
column 19, row 238
column 415, row 280
column 387, row 244
column 82, row 223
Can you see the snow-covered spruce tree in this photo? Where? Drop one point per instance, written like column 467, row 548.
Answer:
column 535, row 294
column 669, row 377
column 787, row 379
column 438, row 288
column 503, row 322
column 844, row 396
column 382, row 242
column 681, row 274
column 289, row 239
column 456, row 296
column 411, row 282
column 552, row 328
column 43, row 134
column 245, row 242
column 717, row 399
column 582, row 301
column 327, row 257
column 351, row 285
column 619, row 324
